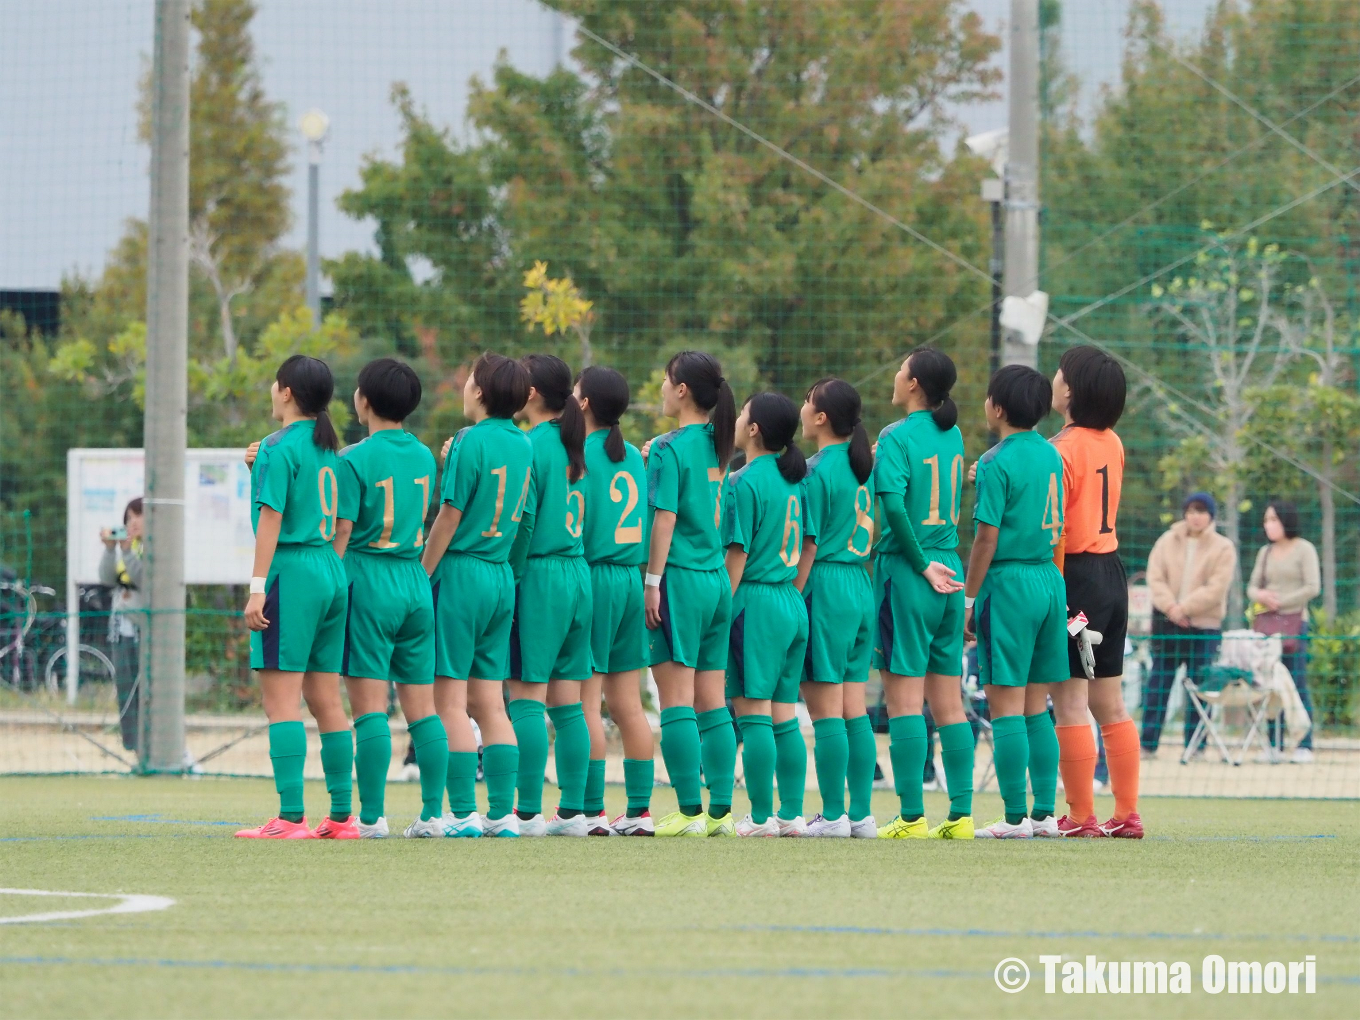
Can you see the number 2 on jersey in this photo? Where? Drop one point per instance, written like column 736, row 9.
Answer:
column 626, row 534
column 1053, row 522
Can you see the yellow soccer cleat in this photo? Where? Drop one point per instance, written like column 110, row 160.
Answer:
column 677, row 824
column 961, row 828
column 898, row 829
column 724, row 826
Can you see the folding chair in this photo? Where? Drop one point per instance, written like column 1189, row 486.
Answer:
column 1220, row 688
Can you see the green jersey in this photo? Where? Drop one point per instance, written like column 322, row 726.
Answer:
column 385, row 490
column 297, row 478
column 616, row 520
column 840, row 511
column 683, row 477
column 763, row 513
column 557, row 503
column 1019, row 492
column 487, row 477
column 926, row 465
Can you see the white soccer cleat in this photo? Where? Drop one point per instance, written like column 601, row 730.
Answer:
column 839, row 829
column 865, row 828
column 748, row 827
column 1002, row 829
column 534, row 826
column 598, row 825
column 425, row 828
column 639, row 825
column 507, row 825
column 1047, row 829
column 559, row 826
column 792, row 826
column 468, row 827
column 378, row 830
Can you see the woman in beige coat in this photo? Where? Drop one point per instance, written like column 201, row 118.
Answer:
column 1189, row 572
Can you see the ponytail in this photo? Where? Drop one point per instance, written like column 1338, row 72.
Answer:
column 840, row 402
column 552, row 378
column 312, row 386
column 935, row 373
column 607, row 392
column 702, row 374
column 777, row 418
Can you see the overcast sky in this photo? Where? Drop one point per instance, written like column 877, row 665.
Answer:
column 72, row 170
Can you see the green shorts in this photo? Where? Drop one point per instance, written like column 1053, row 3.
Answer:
column 472, row 618
column 389, row 629
column 840, row 608
column 919, row 631
column 618, row 624
column 696, row 606
column 550, row 638
column 768, row 642
column 1021, row 624
column 304, row 602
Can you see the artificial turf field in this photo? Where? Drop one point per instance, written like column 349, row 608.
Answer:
column 639, row 927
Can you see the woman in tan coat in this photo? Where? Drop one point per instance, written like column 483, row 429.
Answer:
column 1189, row 571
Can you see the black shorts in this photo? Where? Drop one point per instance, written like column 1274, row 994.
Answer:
column 1096, row 586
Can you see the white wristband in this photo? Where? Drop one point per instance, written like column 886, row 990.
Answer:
column 653, row 581
column 968, row 603
column 257, row 585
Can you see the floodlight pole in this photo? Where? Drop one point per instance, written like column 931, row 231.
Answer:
column 161, row 744
column 314, row 230
column 1022, row 170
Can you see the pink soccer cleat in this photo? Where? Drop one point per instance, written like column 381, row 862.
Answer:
column 1088, row 829
column 1130, row 828
column 278, row 829
column 348, row 829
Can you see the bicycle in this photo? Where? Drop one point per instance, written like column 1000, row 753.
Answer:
column 18, row 601
column 95, row 666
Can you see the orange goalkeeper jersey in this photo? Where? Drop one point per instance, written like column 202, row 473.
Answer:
column 1093, row 474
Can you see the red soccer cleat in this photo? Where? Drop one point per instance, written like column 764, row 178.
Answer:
column 338, row 830
column 1130, row 828
column 278, row 829
column 1089, row 829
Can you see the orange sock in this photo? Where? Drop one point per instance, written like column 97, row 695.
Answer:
column 1077, row 763
column 1122, row 759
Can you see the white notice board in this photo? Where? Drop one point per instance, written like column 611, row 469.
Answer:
column 219, row 545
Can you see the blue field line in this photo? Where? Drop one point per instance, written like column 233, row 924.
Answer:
column 158, row 820
column 412, row 969
column 986, row 933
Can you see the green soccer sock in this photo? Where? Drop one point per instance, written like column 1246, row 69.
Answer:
column 639, row 776
column 595, row 787
column 908, row 753
column 1010, row 745
column 460, row 778
column 718, row 748
column 531, row 734
column 859, row 770
column 956, row 748
column 372, row 757
column 831, row 752
column 500, row 764
column 1043, row 763
column 571, row 751
column 288, row 755
column 680, row 752
column 758, row 754
column 431, row 743
column 790, row 767
column 337, row 762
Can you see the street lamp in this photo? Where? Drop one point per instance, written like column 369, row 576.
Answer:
column 991, row 146
column 315, row 126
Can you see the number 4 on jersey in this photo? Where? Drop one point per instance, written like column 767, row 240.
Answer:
column 1053, row 521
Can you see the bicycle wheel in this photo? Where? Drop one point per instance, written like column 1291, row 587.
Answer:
column 18, row 667
column 95, row 667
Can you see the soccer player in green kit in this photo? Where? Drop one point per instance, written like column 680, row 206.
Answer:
column 1016, row 601
column 840, row 605
column 550, row 639
column 296, row 609
column 918, row 480
column 484, row 496
column 688, row 595
column 615, row 539
column 762, row 527
column 385, row 483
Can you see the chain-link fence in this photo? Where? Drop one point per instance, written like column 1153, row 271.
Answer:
column 785, row 185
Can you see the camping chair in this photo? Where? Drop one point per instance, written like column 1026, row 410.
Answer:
column 1230, row 684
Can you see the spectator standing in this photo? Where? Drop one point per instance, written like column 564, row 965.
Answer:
column 1284, row 580
column 1189, row 572
column 121, row 569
